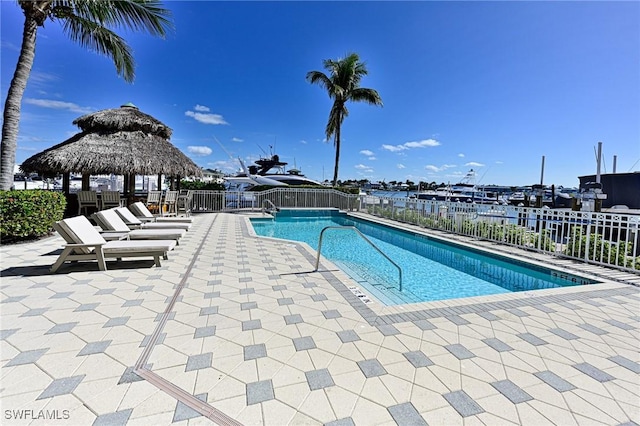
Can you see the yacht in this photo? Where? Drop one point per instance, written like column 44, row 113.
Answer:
column 240, row 186
column 259, row 174
column 465, row 191
column 551, row 197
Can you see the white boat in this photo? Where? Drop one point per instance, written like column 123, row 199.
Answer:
column 239, row 187
column 258, row 174
column 557, row 197
column 464, row 191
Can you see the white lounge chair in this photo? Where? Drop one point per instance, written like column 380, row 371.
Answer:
column 84, row 242
column 143, row 213
column 110, row 221
column 134, row 223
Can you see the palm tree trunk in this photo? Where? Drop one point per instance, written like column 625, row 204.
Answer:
column 11, row 115
column 335, row 168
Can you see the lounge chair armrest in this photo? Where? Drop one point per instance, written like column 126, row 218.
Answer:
column 114, row 235
column 78, row 245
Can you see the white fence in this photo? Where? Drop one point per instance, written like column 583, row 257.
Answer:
column 212, row 201
column 600, row 238
column 594, row 237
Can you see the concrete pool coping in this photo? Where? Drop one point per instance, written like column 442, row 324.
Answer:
column 236, row 323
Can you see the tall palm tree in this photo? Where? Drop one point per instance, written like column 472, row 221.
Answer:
column 342, row 85
column 88, row 23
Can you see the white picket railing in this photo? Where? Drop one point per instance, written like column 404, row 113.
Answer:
column 608, row 239
column 601, row 238
column 214, row 201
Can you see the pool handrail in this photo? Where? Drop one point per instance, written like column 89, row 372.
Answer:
column 269, row 202
column 366, row 239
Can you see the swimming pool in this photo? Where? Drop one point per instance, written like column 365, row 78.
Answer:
column 432, row 269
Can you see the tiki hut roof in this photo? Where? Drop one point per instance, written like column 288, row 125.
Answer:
column 120, row 141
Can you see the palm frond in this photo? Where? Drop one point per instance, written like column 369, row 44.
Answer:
column 100, row 39
column 137, row 15
column 362, row 94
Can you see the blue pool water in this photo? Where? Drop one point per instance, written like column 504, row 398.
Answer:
column 431, row 269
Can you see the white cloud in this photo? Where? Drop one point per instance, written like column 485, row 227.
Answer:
column 393, row 148
column 363, row 168
column 461, row 155
column 202, row 115
column 237, row 140
column 366, row 152
column 48, row 103
column 474, row 164
column 200, row 151
column 400, row 166
column 437, row 169
column 422, row 144
column 413, row 144
column 10, row 46
column 372, row 158
column 303, row 142
column 42, row 77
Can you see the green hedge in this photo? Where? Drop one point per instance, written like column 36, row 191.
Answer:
column 29, row 213
column 199, row 185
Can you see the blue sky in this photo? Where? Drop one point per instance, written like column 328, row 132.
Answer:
column 492, row 86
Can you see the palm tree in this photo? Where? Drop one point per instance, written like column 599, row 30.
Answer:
column 88, row 23
column 342, row 85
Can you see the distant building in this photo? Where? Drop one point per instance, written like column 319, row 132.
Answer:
column 621, row 188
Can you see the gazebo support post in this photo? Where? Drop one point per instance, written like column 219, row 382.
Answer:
column 85, row 182
column 66, row 183
column 131, row 189
column 159, row 181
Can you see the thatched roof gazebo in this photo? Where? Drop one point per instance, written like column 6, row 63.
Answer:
column 121, row 141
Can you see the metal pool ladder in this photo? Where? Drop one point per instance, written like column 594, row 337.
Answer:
column 366, row 239
column 273, row 206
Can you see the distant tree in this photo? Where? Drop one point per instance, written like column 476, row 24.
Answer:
column 88, row 23
column 342, row 85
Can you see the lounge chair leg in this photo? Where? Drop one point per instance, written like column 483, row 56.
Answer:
column 156, row 259
column 61, row 259
column 102, row 265
column 165, row 256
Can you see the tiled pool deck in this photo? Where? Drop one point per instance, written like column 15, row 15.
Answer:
column 239, row 328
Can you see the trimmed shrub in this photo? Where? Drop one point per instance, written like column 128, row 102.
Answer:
column 29, row 213
column 199, row 185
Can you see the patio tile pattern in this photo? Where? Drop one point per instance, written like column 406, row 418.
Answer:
column 241, row 328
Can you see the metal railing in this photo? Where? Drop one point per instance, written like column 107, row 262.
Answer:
column 216, row 201
column 366, row 239
column 268, row 202
column 607, row 239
